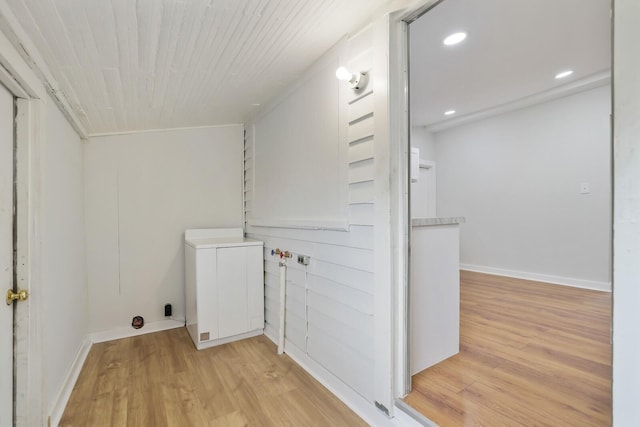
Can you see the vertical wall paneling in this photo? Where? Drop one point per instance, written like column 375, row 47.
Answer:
column 330, row 302
column 299, row 175
column 142, row 191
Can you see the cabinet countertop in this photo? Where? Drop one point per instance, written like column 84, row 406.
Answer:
column 222, row 242
column 428, row 222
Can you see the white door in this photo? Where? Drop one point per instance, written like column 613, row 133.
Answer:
column 6, row 256
column 423, row 192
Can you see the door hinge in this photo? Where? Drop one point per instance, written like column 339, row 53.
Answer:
column 382, row 407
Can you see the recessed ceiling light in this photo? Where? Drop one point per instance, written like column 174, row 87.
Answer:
column 450, row 112
column 454, row 38
column 564, row 74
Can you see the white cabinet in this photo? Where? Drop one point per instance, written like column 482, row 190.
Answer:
column 224, row 286
column 435, row 294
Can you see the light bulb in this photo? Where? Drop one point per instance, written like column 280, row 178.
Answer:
column 343, row 74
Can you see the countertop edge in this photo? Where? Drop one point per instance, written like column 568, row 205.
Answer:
column 427, row 222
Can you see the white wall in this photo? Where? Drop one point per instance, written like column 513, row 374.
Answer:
column 626, row 268
column 516, row 179
column 64, row 290
column 299, row 178
column 330, row 305
column 424, row 140
column 142, row 191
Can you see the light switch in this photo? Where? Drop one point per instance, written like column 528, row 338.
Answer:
column 585, row 188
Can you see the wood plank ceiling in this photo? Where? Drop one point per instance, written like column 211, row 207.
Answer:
column 128, row 65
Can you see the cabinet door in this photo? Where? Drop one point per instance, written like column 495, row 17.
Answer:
column 232, row 291
column 206, row 295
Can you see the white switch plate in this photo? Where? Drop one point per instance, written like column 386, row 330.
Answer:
column 585, row 188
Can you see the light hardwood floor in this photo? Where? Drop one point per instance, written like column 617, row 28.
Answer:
column 160, row 379
column 531, row 354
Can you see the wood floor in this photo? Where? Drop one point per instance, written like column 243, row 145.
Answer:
column 532, row 354
column 159, row 379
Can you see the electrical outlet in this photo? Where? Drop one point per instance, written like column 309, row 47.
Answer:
column 303, row 259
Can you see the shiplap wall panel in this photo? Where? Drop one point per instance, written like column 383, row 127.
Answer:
column 358, row 300
column 346, row 275
column 339, row 281
column 361, row 192
column 361, row 171
column 345, row 332
column 361, row 214
column 345, row 363
column 296, row 330
column 360, row 259
column 359, row 110
column 296, row 301
column 343, row 313
column 271, row 269
column 361, row 151
column 361, row 129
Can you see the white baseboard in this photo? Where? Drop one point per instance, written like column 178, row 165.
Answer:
column 268, row 333
column 126, row 332
column 555, row 280
column 358, row 404
column 60, row 403
column 226, row 340
column 409, row 416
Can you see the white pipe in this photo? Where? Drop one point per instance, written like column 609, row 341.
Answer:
column 283, row 297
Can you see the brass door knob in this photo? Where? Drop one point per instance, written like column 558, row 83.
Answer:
column 22, row 295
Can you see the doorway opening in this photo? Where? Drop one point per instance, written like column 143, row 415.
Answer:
column 523, row 154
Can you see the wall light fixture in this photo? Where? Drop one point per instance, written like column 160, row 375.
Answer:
column 357, row 81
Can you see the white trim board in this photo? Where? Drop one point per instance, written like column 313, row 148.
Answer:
column 126, row 332
column 60, row 403
column 546, row 278
column 302, row 224
column 364, row 409
column 129, row 132
column 408, row 411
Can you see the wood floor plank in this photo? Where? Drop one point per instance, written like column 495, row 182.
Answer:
column 530, row 354
column 160, row 380
column 554, row 388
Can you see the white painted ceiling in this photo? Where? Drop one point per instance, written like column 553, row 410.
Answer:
column 151, row 64
column 513, row 50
